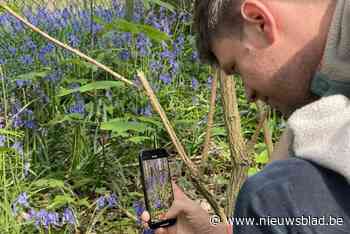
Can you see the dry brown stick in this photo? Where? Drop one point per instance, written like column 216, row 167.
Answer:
column 254, row 138
column 194, row 172
column 210, row 121
column 64, row 46
column 266, row 129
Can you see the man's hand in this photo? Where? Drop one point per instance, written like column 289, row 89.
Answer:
column 191, row 217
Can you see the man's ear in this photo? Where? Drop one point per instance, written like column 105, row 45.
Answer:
column 259, row 25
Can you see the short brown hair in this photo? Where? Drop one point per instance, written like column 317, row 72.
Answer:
column 215, row 18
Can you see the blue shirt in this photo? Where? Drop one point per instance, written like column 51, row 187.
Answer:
column 293, row 196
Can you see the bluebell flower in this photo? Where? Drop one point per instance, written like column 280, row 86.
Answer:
column 138, row 11
column 29, row 44
column 174, row 66
column 26, row 169
column 124, row 54
column 53, row 218
column 166, row 78
column 147, row 111
column 101, row 202
column 143, row 44
column 179, row 44
column 12, row 50
column 158, row 204
column 148, row 231
column 138, row 207
column 194, row 83
column 22, row 199
column 65, row 14
column 2, row 61
column 26, row 59
column 155, row 66
column 112, row 200
column 68, row 216
column 31, row 124
column 17, row 121
column 194, row 56
column 78, row 107
column 41, row 218
column 18, row 146
column 118, row 8
column 73, row 40
column 31, row 214
column 22, row 83
column 185, row 17
column 209, row 81
column 2, row 140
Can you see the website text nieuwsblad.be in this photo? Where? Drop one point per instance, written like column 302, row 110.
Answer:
column 288, row 221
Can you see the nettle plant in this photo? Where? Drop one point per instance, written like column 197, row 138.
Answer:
column 70, row 134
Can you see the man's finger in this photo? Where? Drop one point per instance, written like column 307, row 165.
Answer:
column 176, row 209
column 178, row 193
column 145, row 216
column 161, row 231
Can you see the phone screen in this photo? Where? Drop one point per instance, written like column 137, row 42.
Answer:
column 158, row 189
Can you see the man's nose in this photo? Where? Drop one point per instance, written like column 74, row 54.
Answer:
column 250, row 94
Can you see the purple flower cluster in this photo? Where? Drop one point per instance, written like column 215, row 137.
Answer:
column 46, row 218
column 42, row 217
column 22, row 118
column 109, row 201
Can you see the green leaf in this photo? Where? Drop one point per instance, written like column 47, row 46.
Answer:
column 135, row 28
column 163, row 4
column 252, row 171
column 12, row 6
column 121, row 126
column 48, row 183
column 91, row 86
column 18, row 134
column 151, row 120
column 83, row 202
column 4, row 150
column 262, row 158
column 80, row 63
column 138, row 139
column 33, row 75
column 61, row 200
column 100, row 85
column 218, row 131
column 68, row 117
column 153, row 33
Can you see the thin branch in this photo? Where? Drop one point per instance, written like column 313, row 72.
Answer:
column 267, row 130
column 254, row 138
column 210, row 121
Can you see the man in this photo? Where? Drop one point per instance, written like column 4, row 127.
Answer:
column 295, row 56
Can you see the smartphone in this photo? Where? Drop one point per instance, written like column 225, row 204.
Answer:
column 157, row 187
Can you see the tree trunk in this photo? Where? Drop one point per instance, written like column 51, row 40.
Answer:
column 239, row 155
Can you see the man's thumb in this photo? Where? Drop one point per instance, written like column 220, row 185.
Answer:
column 175, row 210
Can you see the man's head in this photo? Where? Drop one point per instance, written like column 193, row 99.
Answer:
column 275, row 45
